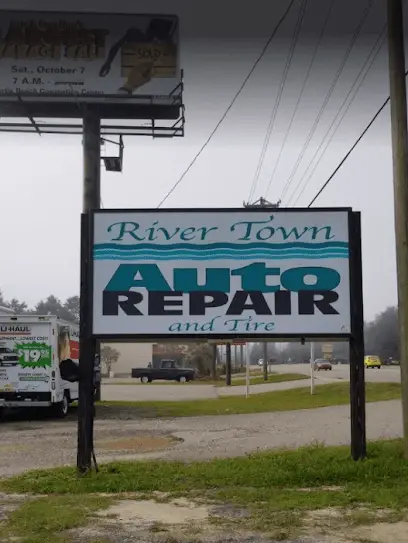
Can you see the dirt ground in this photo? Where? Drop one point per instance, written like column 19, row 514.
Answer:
column 160, row 520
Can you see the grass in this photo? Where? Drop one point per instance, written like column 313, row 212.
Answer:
column 279, row 490
column 272, row 378
column 43, row 520
column 308, row 478
column 282, row 400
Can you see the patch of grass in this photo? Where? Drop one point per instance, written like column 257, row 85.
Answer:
column 310, row 477
column 281, row 400
column 44, row 520
column 272, row 378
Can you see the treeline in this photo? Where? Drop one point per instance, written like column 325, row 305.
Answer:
column 381, row 334
column 381, row 339
column 67, row 310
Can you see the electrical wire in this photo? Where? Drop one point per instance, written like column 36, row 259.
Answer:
column 327, row 98
column 354, row 89
column 364, row 132
column 305, row 81
column 241, row 88
column 278, row 99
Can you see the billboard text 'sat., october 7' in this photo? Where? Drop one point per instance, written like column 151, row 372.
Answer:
column 229, row 273
column 71, row 54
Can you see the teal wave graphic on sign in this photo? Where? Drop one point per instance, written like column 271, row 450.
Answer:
column 222, row 251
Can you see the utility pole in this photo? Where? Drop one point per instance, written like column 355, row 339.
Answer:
column 398, row 102
column 312, row 359
column 214, row 362
column 263, row 203
column 265, row 361
column 88, row 348
column 228, row 364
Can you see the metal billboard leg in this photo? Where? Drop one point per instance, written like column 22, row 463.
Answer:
column 88, row 346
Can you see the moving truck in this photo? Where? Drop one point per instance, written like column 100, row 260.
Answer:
column 31, row 350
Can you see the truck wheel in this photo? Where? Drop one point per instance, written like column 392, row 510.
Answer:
column 61, row 408
column 145, row 379
column 182, row 379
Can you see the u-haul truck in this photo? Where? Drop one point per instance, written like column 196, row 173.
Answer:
column 31, row 350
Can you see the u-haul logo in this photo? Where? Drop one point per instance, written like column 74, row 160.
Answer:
column 15, row 330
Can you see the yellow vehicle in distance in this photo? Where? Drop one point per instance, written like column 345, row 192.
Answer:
column 372, row 362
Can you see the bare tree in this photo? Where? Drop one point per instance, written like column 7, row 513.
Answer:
column 109, row 357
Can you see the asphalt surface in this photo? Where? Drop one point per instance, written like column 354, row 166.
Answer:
column 178, row 392
column 45, row 443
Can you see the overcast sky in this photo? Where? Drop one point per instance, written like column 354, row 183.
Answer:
column 41, row 177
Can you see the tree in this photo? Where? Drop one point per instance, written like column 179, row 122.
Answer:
column 200, row 356
column 382, row 335
column 69, row 310
column 71, row 305
column 109, row 357
column 20, row 308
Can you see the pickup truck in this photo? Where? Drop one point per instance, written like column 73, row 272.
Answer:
column 168, row 371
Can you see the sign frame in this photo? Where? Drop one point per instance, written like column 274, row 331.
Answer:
column 355, row 279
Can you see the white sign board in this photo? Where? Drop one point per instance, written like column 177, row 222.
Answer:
column 240, row 273
column 69, row 54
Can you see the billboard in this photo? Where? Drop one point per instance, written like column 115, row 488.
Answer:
column 86, row 55
column 232, row 273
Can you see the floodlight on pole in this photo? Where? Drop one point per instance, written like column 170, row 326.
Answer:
column 114, row 163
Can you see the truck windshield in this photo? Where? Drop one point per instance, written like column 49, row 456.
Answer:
column 5, row 350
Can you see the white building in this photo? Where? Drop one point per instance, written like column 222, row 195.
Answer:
column 132, row 355
column 6, row 310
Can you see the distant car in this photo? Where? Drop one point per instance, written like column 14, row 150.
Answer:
column 372, row 362
column 322, row 364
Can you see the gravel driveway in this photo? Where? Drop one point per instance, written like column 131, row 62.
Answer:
column 45, row 443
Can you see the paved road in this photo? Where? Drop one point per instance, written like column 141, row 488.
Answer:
column 177, row 392
column 44, row 444
column 388, row 374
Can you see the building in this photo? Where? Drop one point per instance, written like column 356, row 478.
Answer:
column 131, row 355
column 6, row 310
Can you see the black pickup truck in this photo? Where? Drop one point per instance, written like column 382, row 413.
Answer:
column 168, row 371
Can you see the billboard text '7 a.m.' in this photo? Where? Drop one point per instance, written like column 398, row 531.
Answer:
column 49, row 54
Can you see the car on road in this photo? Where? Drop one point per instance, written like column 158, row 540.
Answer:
column 371, row 361
column 168, row 370
column 322, row 364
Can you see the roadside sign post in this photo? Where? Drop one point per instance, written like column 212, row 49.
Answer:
column 287, row 274
column 248, row 366
column 312, row 359
column 356, row 341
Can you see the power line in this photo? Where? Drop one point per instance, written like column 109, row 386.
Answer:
column 278, row 99
column 327, row 98
column 301, row 92
column 352, row 148
column 380, row 40
column 241, row 88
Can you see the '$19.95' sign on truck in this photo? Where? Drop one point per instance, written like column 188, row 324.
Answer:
column 34, row 355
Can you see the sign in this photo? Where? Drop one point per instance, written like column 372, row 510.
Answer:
column 227, row 273
column 80, row 55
